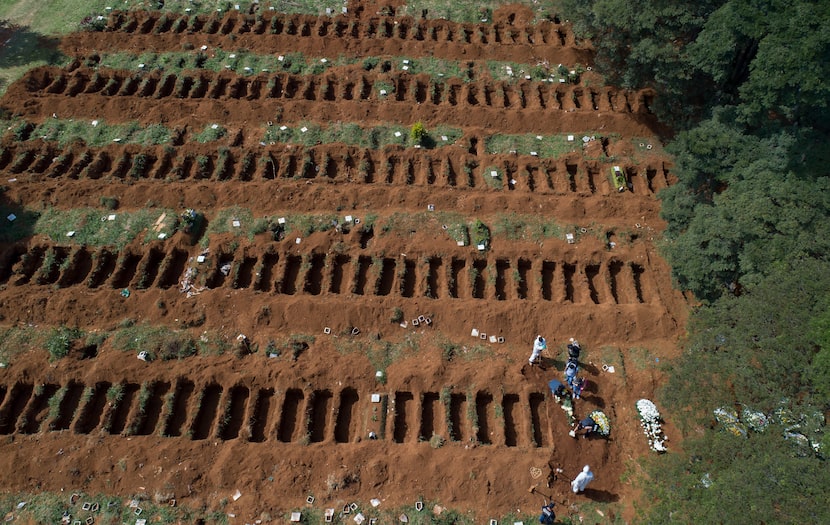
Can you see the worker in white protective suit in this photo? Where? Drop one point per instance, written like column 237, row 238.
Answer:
column 578, row 485
column 539, row 344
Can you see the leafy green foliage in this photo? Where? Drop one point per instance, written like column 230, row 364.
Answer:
column 95, row 133
column 158, row 341
column 745, row 83
column 738, row 209
column 755, row 480
column 753, row 348
column 60, row 340
column 417, row 132
column 480, row 234
column 819, row 371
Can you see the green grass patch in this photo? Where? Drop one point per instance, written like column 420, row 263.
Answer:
column 246, row 63
column 382, row 354
column 493, row 177
column 308, row 224
column 405, row 223
column 469, row 11
column 480, row 234
column 55, row 17
column 93, row 226
column 98, row 133
column 211, row 133
column 48, row 507
column 24, row 49
column 612, row 356
column 60, row 340
column 214, row 59
column 376, row 137
column 225, row 220
column 544, row 146
column 15, row 341
column 642, row 358
column 516, row 227
column 302, row 224
column 540, row 72
column 159, row 341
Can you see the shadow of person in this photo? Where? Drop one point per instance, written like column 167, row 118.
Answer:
column 600, row 495
column 553, row 364
column 594, row 400
column 588, row 367
column 590, row 386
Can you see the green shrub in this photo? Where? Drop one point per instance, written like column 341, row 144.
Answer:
column 417, row 133
column 60, row 341
column 481, row 234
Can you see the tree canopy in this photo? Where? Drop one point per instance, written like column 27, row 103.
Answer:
column 744, row 85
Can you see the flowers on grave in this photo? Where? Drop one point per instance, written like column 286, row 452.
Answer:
column 565, row 402
column 803, row 428
column 602, row 421
column 192, row 220
column 729, row 419
column 650, row 421
column 568, row 406
column 756, row 421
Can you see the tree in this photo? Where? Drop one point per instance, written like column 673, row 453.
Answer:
column 724, row 478
column 788, row 78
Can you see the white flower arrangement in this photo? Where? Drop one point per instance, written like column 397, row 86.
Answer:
column 603, row 424
column 567, row 405
column 650, row 421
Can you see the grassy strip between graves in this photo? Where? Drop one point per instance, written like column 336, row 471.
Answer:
column 64, row 16
column 98, row 133
column 89, row 226
column 160, row 342
column 471, row 11
column 93, row 132
column 102, row 227
column 51, row 507
column 247, row 63
column 377, row 137
column 32, row 24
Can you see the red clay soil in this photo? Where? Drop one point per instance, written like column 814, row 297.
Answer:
column 528, row 107
column 334, row 36
column 280, row 429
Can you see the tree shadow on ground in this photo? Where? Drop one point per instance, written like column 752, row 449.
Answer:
column 601, row 495
column 22, row 49
column 19, row 46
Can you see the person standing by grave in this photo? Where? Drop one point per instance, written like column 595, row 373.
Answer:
column 571, row 370
column 539, row 344
column 547, row 517
column 578, row 385
column 574, row 349
column 578, row 485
